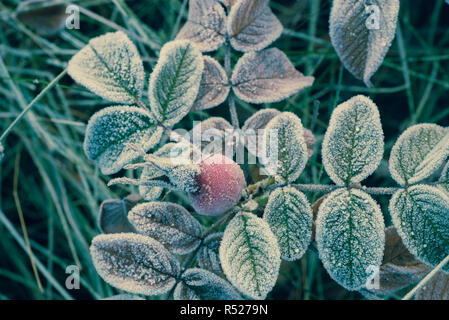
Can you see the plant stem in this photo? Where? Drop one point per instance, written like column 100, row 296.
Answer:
column 329, row 188
column 231, row 101
column 31, row 104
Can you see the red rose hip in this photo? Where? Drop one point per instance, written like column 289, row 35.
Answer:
column 221, row 183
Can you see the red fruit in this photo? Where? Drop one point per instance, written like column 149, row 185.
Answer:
column 221, row 183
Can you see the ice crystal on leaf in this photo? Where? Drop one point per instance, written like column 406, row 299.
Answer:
column 250, row 256
column 134, row 263
column 435, row 289
column 350, row 236
column 109, row 66
column 362, row 34
column 175, row 81
column 199, row 284
column 111, row 133
column 208, row 257
column 290, row 146
column 214, row 86
column 419, row 152
column 267, row 76
column 290, row 218
column 113, row 216
column 353, row 145
column 169, row 223
column 420, row 214
column 205, row 26
column 252, row 25
column 444, row 180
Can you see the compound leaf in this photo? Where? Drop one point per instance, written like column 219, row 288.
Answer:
column 419, row 213
column 437, row 288
column 134, row 263
column 267, row 76
column 112, row 133
column 175, row 81
column 214, row 87
column 252, row 25
column 109, row 66
column 350, row 237
column 289, row 215
column 169, row 223
column 250, row 256
column 199, row 284
column 362, row 33
column 419, row 152
column 286, row 149
column 353, row 145
column 205, row 26
column 208, row 257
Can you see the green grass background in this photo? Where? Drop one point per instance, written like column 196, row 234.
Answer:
column 46, row 177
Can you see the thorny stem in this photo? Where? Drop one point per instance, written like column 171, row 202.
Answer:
column 231, row 101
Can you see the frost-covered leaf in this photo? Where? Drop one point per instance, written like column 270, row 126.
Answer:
column 113, row 216
column 175, row 81
column 252, row 25
column 399, row 267
column 229, row 3
column 350, row 237
column 420, row 214
column 199, row 284
column 437, row 288
column 250, row 256
column 169, row 150
column 267, row 76
column 208, row 257
column 134, row 263
column 362, row 33
column 214, row 86
column 205, row 26
column 45, row 19
column 289, row 215
column 109, row 66
column 169, row 223
column 419, row 152
column 444, row 180
column 124, row 296
column 110, row 133
column 353, row 145
column 289, row 144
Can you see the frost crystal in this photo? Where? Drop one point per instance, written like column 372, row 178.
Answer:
column 168, row 223
column 267, row 76
column 175, row 81
column 290, row 218
column 419, row 213
column 110, row 133
column 250, row 256
column 109, row 66
column 199, row 284
column 290, row 146
column 350, row 236
column 113, row 217
column 206, row 25
column 435, row 289
column 214, row 87
column 134, row 263
column 353, row 145
column 252, row 25
column 208, row 257
column 362, row 34
column 419, row 152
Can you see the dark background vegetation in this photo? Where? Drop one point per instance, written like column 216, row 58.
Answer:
column 46, row 177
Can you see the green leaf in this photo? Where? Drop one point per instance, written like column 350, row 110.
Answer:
column 175, row 81
column 169, row 223
column 420, row 214
column 289, row 215
column 199, row 284
column 134, row 263
column 419, row 152
column 109, row 66
column 286, row 149
column 113, row 133
column 353, row 145
column 250, row 256
column 350, row 237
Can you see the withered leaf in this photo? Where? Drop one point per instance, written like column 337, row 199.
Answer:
column 45, row 19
